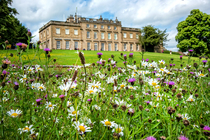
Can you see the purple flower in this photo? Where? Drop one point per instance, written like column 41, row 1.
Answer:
column 204, row 61
column 89, row 100
column 131, row 80
column 114, row 66
column 147, row 60
column 181, row 56
column 109, row 59
column 45, row 96
column 147, row 102
column 154, row 71
column 125, row 62
column 13, row 65
column 209, row 70
column 61, row 96
column 183, row 138
column 171, row 65
column 125, row 55
column 146, row 93
column 191, row 72
column 47, row 49
column 142, row 59
column 170, row 83
column 9, row 81
column 150, row 138
column 56, row 76
column 190, row 50
column 158, row 79
column 16, row 83
column 207, row 128
column 99, row 53
column 4, row 72
column 131, row 54
column 99, row 62
column 19, row 44
column 119, row 68
column 38, row 100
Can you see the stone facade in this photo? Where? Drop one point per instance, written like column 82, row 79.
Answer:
column 89, row 34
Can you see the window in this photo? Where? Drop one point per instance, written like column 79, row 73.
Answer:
column 102, row 46
column 76, row 45
column 137, row 36
column 109, row 35
column 131, row 47
column 137, row 47
column 95, row 46
column 124, row 35
column 67, row 44
column 88, row 46
column 67, row 31
column 115, row 46
column 95, row 26
column 58, row 44
column 41, row 35
column 44, row 34
column 102, row 26
column 102, row 35
column 57, row 30
column 109, row 27
column 115, row 36
column 88, row 26
column 115, row 28
column 109, row 46
column 75, row 32
column 95, row 35
column 131, row 35
column 47, row 31
column 88, row 34
column 125, row 47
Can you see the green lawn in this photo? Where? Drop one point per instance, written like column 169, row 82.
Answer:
column 70, row 57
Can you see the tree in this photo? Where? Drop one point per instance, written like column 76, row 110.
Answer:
column 194, row 33
column 151, row 37
column 10, row 27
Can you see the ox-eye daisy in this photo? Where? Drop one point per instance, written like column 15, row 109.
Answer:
column 118, row 129
column 50, row 106
column 14, row 113
column 81, row 128
column 72, row 111
column 26, row 129
column 108, row 123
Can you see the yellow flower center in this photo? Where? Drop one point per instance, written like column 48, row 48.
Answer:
column 14, row 114
column 115, row 90
column 201, row 74
column 191, row 100
column 69, row 103
column 185, row 118
column 40, row 87
column 33, row 86
column 4, row 91
column 96, row 86
column 154, row 84
column 82, row 128
column 162, row 69
column 74, row 112
column 122, row 86
column 90, row 91
column 118, row 130
column 108, row 123
column 131, row 87
column 26, row 128
column 168, row 72
column 29, row 70
column 38, row 68
column 50, row 105
column 161, row 62
column 24, row 78
column 134, row 74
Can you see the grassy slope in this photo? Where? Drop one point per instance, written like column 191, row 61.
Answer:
column 70, row 57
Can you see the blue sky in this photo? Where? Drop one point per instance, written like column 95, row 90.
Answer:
column 162, row 14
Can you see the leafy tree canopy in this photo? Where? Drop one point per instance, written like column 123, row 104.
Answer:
column 194, row 33
column 10, row 27
column 151, row 37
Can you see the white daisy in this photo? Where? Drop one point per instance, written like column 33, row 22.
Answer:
column 81, row 128
column 14, row 113
column 26, row 129
column 50, row 106
column 191, row 99
column 118, row 129
column 108, row 123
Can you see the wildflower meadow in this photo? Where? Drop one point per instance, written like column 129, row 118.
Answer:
column 102, row 100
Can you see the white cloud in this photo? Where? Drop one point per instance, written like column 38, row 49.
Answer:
column 133, row 13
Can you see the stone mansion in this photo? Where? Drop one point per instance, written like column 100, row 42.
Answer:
column 89, row 34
